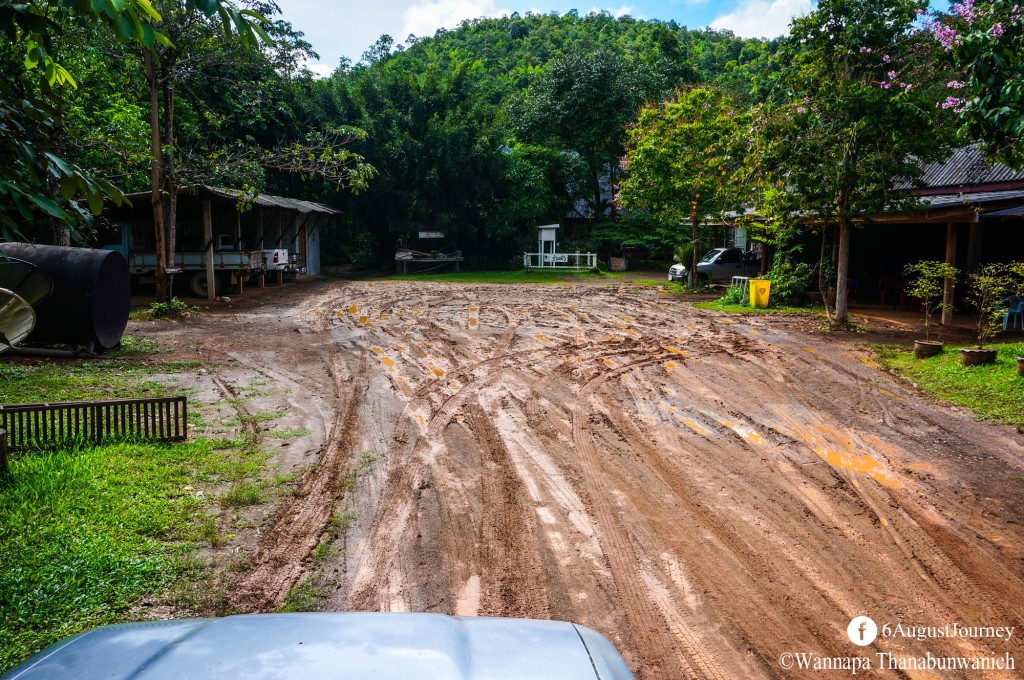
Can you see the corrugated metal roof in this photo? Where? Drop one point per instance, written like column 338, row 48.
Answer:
column 975, row 199
column 262, row 200
column 1010, row 212
column 966, row 167
column 269, row 201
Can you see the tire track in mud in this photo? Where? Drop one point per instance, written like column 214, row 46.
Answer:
column 508, row 535
column 284, row 548
column 646, row 622
column 954, row 581
column 770, row 536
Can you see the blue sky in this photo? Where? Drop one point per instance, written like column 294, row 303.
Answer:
column 338, row 29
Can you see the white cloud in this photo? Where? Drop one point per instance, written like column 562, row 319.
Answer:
column 615, row 11
column 762, row 18
column 321, row 70
column 426, row 16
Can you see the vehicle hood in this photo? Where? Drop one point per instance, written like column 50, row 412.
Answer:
column 340, row 646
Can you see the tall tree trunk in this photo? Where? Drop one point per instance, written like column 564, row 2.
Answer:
column 693, row 254
column 61, row 236
column 170, row 176
column 823, row 260
column 156, row 179
column 842, row 266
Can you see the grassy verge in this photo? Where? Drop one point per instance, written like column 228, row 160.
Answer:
column 993, row 392
column 119, row 375
column 89, row 534
column 719, row 306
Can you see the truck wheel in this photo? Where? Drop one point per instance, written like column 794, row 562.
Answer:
column 199, row 287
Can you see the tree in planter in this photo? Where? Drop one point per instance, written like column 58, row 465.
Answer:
column 989, row 286
column 927, row 280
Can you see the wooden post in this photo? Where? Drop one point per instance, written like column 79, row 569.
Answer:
column 259, row 239
column 947, row 293
column 238, row 246
column 974, row 243
column 4, row 472
column 211, row 281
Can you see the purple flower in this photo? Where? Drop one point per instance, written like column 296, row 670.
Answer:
column 997, row 31
column 885, row 58
column 954, row 103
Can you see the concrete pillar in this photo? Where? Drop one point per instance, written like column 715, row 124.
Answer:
column 947, row 293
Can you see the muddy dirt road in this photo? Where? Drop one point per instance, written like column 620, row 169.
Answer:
column 708, row 492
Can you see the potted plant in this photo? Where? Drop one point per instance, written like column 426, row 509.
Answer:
column 927, row 282
column 989, row 286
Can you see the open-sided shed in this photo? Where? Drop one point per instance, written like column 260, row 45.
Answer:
column 971, row 213
column 213, row 222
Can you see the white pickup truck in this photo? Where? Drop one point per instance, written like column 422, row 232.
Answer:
column 276, row 260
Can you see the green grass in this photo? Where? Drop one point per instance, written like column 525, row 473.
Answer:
column 112, row 378
column 718, row 306
column 242, row 495
column 514, row 276
column 261, row 416
column 288, row 433
column 342, row 520
column 993, row 392
column 366, row 459
column 86, row 533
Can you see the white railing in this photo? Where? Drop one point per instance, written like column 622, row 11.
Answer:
column 560, row 260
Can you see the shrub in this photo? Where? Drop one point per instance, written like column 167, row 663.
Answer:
column 733, row 296
column 927, row 283
column 172, row 308
column 788, row 280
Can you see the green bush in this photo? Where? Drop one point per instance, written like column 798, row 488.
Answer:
column 788, row 280
column 733, row 296
column 170, row 309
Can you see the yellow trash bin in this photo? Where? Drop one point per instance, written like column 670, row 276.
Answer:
column 759, row 291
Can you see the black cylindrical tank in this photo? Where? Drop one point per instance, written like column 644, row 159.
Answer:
column 91, row 294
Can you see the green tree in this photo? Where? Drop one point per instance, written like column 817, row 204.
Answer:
column 166, row 61
column 984, row 41
column 679, row 159
column 928, row 283
column 580, row 103
column 34, row 178
column 846, row 129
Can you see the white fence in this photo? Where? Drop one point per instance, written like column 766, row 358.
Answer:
column 560, row 260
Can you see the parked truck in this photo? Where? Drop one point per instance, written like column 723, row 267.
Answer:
column 232, row 262
column 720, row 264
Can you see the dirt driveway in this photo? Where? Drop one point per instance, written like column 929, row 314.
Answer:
column 708, row 492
